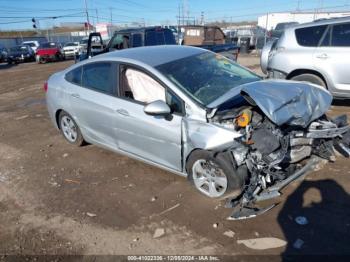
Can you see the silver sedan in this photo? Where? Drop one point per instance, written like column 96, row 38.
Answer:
column 197, row 114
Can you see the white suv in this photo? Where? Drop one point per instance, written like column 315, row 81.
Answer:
column 33, row 44
column 317, row 52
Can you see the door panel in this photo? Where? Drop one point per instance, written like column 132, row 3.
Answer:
column 94, row 113
column 151, row 137
column 333, row 59
column 92, row 101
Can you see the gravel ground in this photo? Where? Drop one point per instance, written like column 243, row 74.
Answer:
column 61, row 200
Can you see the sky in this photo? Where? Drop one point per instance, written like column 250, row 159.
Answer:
column 17, row 14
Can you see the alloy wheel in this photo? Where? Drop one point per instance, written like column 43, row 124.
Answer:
column 69, row 129
column 209, row 179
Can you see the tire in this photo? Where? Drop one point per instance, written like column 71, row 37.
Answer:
column 311, row 78
column 70, row 129
column 224, row 169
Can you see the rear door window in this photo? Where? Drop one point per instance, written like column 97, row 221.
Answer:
column 159, row 37
column 151, row 38
column 74, row 76
column 98, row 76
column 310, row 36
column 341, row 35
column 136, row 40
column 169, row 37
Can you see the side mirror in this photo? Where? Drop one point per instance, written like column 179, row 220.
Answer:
column 157, row 108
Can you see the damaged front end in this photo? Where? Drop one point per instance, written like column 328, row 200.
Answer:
column 284, row 134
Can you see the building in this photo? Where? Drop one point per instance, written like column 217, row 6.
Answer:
column 269, row 21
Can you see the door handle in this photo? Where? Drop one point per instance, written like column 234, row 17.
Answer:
column 122, row 112
column 322, row 56
column 75, row 95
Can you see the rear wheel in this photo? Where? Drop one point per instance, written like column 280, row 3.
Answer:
column 212, row 176
column 310, row 78
column 70, row 129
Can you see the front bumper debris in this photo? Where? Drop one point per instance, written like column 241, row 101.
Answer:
column 248, row 208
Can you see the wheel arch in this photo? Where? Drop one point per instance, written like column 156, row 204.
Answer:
column 297, row 72
column 214, row 153
column 57, row 115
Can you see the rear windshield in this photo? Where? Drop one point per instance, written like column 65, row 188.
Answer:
column 48, row 45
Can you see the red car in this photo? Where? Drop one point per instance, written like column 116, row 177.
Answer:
column 50, row 51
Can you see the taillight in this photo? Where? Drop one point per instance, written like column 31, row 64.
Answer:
column 46, row 86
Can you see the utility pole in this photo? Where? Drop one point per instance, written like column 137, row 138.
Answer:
column 267, row 24
column 178, row 19
column 298, row 5
column 111, row 15
column 96, row 15
column 87, row 15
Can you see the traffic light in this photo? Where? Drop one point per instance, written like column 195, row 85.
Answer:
column 34, row 22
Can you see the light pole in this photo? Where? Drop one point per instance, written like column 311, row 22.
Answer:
column 87, row 15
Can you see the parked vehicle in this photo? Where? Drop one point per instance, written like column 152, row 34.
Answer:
column 71, row 49
column 3, row 54
column 129, row 38
column 211, row 38
column 252, row 33
column 50, row 51
column 20, row 53
column 317, row 52
column 279, row 29
column 83, row 44
column 231, row 35
column 33, row 44
column 200, row 115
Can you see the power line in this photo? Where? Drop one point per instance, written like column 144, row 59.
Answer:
column 43, row 17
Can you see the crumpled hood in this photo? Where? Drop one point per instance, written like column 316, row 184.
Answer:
column 288, row 102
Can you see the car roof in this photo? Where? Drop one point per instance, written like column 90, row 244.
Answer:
column 321, row 22
column 154, row 55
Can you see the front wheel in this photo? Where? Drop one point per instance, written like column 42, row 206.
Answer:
column 213, row 176
column 70, row 129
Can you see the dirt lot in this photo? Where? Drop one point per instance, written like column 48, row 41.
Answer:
column 58, row 199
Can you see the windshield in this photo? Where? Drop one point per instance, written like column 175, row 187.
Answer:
column 71, row 44
column 18, row 48
column 48, row 45
column 84, row 41
column 29, row 44
column 206, row 76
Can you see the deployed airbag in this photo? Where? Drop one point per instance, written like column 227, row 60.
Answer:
column 287, row 102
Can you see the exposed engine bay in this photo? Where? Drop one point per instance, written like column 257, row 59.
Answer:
column 275, row 155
